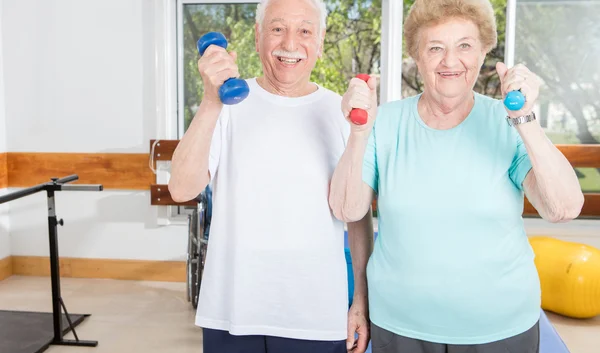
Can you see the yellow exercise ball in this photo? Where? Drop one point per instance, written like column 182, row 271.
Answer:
column 570, row 276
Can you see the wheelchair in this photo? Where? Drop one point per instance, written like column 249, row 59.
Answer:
column 198, row 230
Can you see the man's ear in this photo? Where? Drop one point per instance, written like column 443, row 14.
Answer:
column 321, row 45
column 256, row 36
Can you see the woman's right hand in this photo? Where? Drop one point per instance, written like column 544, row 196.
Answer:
column 361, row 95
column 216, row 66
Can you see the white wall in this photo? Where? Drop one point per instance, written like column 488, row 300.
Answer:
column 80, row 75
column 4, row 220
column 80, row 78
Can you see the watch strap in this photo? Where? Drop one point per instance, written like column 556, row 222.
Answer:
column 521, row 119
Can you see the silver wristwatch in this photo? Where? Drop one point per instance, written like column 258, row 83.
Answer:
column 521, row 120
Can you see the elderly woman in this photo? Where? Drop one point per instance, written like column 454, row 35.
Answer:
column 452, row 269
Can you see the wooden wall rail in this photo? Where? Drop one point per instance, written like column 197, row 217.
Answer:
column 3, row 170
column 160, row 196
column 580, row 156
column 162, row 150
column 591, row 207
column 128, row 171
column 131, row 171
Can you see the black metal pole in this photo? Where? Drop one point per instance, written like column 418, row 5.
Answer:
column 54, row 266
column 21, row 193
column 57, row 302
column 66, row 179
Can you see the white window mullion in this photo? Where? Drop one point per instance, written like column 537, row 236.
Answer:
column 509, row 42
column 180, row 68
column 391, row 50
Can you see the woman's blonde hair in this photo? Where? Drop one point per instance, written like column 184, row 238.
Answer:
column 425, row 13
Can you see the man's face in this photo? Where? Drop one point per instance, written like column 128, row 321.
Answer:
column 289, row 41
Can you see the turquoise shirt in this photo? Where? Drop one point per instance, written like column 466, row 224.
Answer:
column 452, row 262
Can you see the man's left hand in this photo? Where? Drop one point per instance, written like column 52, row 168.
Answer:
column 358, row 323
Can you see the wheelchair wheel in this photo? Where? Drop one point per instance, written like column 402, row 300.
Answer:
column 199, row 224
column 192, row 258
column 201, row 246
column 200, row 269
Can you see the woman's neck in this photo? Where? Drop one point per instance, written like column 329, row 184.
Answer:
column 442, row 113
column 298, row 89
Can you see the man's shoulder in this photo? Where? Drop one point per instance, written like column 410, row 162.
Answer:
column 329, row 97
column 329, row 92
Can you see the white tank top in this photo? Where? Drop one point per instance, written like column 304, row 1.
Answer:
column 275, row 264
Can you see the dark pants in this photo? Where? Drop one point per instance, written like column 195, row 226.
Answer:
column 216, row 341
column 384, row 341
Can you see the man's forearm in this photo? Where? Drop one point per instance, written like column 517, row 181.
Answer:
column 360, row 239
column 189, row 165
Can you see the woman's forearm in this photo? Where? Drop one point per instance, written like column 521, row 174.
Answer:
column 349, row 196
column 555, row 183
column 189, row 165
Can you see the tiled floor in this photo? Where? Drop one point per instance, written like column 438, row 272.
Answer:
column 149, row 317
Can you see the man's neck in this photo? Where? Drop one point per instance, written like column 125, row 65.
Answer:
column 297, row 89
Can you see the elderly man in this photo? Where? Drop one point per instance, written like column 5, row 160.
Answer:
column 275, row 273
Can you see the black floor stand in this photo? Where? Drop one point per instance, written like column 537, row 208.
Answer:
column 57, row 302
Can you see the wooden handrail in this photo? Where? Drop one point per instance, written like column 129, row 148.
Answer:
column 580, row 156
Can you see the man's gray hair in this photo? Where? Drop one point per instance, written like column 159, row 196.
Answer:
column 319, row 4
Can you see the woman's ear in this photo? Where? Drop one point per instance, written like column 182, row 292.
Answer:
column 482, row 56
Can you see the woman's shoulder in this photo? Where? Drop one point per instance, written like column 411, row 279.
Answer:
column 492, row 122
column 397, row 110
column 489, row 103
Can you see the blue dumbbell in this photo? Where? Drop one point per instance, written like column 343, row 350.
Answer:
column 234, row 90
column 514, row 100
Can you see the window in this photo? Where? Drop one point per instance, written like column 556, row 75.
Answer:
column 236, row 22
column 353, row 45
column 363, row 36
column 560, row 42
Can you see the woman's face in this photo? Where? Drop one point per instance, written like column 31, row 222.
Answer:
column 450, row 56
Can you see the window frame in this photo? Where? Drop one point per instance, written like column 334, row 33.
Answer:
column 391, row 47
column 579, row 155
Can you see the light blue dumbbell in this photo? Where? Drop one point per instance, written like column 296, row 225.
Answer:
column 514, row 100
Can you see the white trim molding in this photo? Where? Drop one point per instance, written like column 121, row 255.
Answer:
column 509, row 39
column 391, row 50
column 165, row 70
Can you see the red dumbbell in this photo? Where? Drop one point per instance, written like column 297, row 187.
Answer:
column 360, row 116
